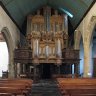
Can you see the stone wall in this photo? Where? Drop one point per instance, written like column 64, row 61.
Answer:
column 86, row 29
column 12, row 37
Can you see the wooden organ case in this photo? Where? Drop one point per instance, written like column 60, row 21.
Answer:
column 47, row 36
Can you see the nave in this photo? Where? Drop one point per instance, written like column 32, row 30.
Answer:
column 51, row 47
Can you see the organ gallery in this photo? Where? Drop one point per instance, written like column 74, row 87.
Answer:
column 47, row 52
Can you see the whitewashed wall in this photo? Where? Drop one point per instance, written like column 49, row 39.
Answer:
column 5, row 21
column 4, row 58
column 13, row 31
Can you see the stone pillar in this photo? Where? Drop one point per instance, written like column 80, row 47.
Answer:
column 11, row 66
column 87, row 60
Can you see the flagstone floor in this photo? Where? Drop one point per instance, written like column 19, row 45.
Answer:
column 45, row 88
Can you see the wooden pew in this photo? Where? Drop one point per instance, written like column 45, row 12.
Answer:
column 78, row 90
column 15, row 87
column 20, row 88
column 27, row 83
column 6, row 94
column 12, row 90
column 77, row 87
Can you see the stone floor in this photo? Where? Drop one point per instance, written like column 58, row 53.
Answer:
column 45, row 88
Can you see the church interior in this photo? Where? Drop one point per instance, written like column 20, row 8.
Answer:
column 47, row 48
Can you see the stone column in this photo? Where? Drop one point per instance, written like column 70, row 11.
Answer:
column 11, row 66
column 87, row 60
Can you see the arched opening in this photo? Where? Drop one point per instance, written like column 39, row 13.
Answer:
column 8, row 39
column 4, row 57
column 81, row 57
column 92, row 40
column 79, row 45
column 94, row 53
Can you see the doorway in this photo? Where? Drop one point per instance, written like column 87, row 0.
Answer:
column 4, row 57
column 46, row 71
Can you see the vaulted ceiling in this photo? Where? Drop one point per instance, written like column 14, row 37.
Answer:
column 19, row 9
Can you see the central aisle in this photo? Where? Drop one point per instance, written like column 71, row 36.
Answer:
column 45, row 88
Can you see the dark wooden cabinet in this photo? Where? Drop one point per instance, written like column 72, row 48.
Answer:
column 23, row 55
column 70, row 54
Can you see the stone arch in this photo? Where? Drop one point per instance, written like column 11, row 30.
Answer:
column 10, row 45
column 91, row 26
column 78, row 37
column 79, row 45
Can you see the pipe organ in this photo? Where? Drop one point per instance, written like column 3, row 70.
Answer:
column 47, row 34
column 47, row 37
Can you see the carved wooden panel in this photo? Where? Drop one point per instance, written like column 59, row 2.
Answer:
column 70, row 54
column 22, row 55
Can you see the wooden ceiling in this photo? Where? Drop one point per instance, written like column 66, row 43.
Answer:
column 19, row 9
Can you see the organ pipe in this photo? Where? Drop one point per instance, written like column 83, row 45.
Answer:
column 59, row 48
